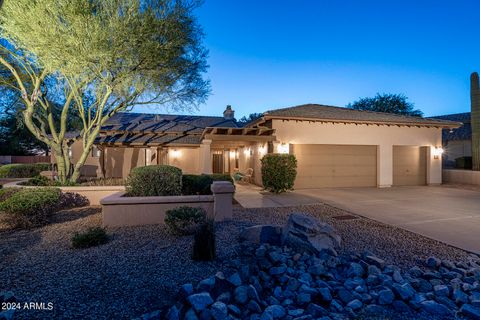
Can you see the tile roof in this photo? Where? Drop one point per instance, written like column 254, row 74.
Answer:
column 462, row 133
column 323, row 112
column 159, row 129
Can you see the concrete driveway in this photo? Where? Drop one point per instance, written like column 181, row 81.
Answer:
column 450, row 215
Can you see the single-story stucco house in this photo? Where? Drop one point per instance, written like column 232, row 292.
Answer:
column 334, row 146
column 457, row 142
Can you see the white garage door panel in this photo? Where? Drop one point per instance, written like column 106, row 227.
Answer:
column 409, row 166
column 335, row 166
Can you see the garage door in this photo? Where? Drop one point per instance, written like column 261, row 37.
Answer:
column 335, row 166
column 409, row 166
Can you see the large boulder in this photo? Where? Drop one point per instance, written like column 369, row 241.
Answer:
column 303, row 232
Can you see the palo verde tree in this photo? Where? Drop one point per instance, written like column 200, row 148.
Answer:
column 105, row 56
column 389, row 103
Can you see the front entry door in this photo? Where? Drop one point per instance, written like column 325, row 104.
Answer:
column 217, row 161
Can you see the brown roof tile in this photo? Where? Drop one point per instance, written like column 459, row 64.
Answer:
column 339, row 114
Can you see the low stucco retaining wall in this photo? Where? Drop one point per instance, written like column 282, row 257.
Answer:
column 93, row 193
column 461, row 176
column 118, row 210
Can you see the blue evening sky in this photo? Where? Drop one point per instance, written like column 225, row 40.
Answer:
column 272, row 54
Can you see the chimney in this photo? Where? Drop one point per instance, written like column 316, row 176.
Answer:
column 229, row 114
column 475, row 119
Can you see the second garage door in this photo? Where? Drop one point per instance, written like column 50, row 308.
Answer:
column 409, row 166
column 335, row 166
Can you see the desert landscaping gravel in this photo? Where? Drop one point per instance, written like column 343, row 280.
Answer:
column 141, row 268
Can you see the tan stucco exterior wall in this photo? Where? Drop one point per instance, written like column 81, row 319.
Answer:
column 120, row 161
column 384, row 137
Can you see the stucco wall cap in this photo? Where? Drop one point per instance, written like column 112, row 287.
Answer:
column 222, row 187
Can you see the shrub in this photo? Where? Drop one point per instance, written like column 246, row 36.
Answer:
column 463, row 163
column 30, row 207
column 204, row 242
column 103, row 182
column 90, row 238
column 23, row 170
column 37, row 181
column 7, row 193
column 161, row 180
column 279, row 172
column 72, row 200
column 200, row 184
column 184, row 220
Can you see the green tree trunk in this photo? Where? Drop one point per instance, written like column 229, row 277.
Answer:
column 475, row 118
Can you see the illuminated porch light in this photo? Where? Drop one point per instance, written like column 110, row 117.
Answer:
column 262, row 149
column 437, row 152
column 176, row 154
column 284, row 148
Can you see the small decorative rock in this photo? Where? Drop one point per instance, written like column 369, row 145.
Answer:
column 355, row 304
column 441, row 290
column 385, row 297
column 435, row 308
column 276, row 311
column 433, row 262
column 219, row 310
column 470, row 311
column 241, row 294
column 200, row 301
column 262, row 234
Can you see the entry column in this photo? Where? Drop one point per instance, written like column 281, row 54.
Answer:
column 384, row 166
column 205, row 157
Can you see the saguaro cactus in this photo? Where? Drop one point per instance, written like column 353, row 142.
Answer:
column 475, row 118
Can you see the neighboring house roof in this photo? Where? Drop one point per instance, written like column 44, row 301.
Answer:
column 462, row 133
column 159, row 129
column 317, row 112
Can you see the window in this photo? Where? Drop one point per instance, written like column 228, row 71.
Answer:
column 96, row 152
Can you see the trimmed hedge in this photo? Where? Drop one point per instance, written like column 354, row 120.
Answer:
column 38, row 181
column 30, row 207
column 200, row 184
column 149, row 181
column 279, row 172
column 7, row 193
column 90, row 238
column 18, row 170
column 184, row 220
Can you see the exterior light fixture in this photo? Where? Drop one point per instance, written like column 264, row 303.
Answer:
column 437, row 152
column 283, row 148
column 176, row 154
column 261, row 149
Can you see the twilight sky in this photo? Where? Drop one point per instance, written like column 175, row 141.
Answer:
column 271, row 54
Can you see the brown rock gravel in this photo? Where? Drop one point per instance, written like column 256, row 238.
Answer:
column 140, row 269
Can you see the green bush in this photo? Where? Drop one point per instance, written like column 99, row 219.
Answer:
column 204, row 242
column 184, row 220
column 7, row 193
column 38, row 181
column 91, row 238
column 200, row 184
column 23, row 170
column 151, row 181
column 30, row 207
column 463, row 163
column 279, row 172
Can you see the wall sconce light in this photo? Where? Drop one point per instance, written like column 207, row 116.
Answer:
column 246, row 151
column 176, row 154
column 262, row 149
column 437, row 152
column 284, row 148
column 232, row 155
column 70, row 152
